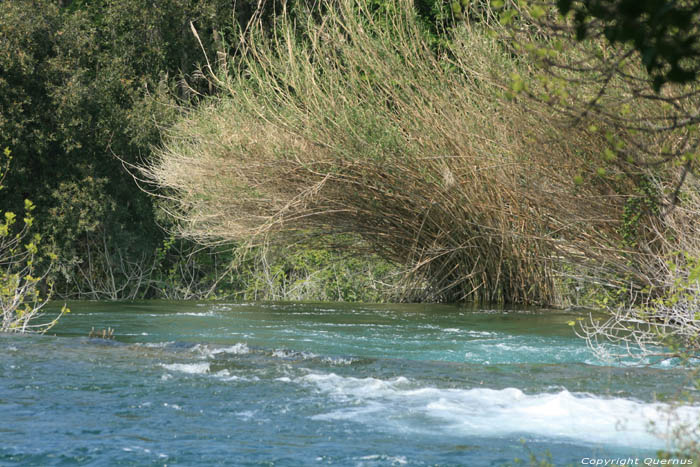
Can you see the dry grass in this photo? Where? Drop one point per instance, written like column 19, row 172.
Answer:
column 351, row 123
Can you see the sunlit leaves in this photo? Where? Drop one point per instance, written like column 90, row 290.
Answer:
column 609, row 155
column 20, row 279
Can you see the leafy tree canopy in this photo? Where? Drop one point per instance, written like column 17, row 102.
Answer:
column 664, row 32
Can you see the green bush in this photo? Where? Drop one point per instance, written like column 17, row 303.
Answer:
column 317, row 272
column 21, row 256
column 84, row 89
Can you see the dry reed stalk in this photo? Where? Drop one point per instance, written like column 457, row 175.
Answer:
column 353, row 124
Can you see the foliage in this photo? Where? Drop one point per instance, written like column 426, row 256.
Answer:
column 86, row 88
column 610, row 89
column 597, row 73
column 396, row 128
column 664, row 33
column 21, row 254
column 666, row 327
column 318, row 272
column 182, row 271
column 80, row 85
column 420, row 154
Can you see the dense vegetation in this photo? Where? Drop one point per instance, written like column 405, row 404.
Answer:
column 73, row 93
column 24, row 268
column 495, row 163
column 438, row 151
column 541, row 152
column 85, row 89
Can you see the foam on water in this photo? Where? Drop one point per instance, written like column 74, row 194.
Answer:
column 490, row 350
column 240, row 348
column 293, row 354
column 154, row 345
column 380, row 459
column 346, row 385
column 190, row 368
column 202, row 313
column 287, row 354
column 339, row 360
column 402, row 405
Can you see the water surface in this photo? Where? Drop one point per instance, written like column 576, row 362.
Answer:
column 187, row 383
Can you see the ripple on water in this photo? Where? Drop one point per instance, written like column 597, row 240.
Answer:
column 281, row 378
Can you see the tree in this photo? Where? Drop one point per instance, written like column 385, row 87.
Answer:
column 663, row 32
column 77, row 87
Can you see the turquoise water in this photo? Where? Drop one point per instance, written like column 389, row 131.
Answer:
column 188, row 383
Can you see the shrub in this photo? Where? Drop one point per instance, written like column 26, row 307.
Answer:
column 320, row 272
column 591, row 74
column 348, row 120
column 353, row 123
column 21, row 300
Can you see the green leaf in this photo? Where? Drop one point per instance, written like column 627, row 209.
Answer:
column 517, row 83
column 537, row 12
column 507, row 17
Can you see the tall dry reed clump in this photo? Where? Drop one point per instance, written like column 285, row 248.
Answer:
column 349, row 121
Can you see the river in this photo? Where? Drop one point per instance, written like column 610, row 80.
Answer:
column 187, row 383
